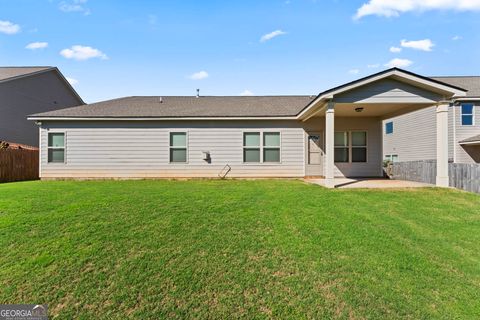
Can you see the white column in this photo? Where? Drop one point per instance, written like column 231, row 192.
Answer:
column 442, row 145
column 329, row 146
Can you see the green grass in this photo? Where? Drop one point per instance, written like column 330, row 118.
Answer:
column 252, row 249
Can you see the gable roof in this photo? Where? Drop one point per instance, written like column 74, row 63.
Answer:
column 187, row 107
column 471, row 83
column 7, row 73
column 405, row 75
column 13, row 73
column 290, row 107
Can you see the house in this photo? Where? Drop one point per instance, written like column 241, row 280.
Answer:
column 27, row 90
column 411, row 137
column 338, row 133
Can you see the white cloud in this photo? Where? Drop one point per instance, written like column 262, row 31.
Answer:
column 36, row 45
column 246, row 93
column 423, row 45
column 8, row 27
column 373, row 66
column 395, row 49
column 272, row 35
column 457, row 37
column 74, row 6
column 199, row 75
column 393, row 8
column 398, row 63
column 72, row 81
column 354, row 71
column 79, row 53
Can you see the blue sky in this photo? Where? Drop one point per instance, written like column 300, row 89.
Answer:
column 121, row 48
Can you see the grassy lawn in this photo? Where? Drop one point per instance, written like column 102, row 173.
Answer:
column 218, row 249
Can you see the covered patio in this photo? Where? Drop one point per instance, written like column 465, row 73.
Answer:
column 371, row 100
column 370, row 183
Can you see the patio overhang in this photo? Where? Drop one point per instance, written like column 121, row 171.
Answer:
column 385, row 94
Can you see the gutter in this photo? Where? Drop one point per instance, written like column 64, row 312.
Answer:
column 36, row 118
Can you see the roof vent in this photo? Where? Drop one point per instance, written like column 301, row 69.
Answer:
column 160, row 100
column 198, row 93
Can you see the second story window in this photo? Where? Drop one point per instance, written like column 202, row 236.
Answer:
column 467, row 114
column 389, row 127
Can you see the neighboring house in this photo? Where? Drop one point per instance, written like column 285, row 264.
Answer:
column 27, row 90
column 334, row 134
column 412, row 136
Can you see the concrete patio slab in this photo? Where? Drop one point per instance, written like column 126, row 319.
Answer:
column 370, row 183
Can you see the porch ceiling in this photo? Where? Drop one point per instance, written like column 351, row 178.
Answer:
column 384, row 111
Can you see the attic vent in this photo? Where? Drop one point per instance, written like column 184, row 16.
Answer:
column 198, row 93
column 160, row 100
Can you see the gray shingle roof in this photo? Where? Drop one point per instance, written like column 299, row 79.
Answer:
column 12, row 72
column 472, row 84
column 188, row 106
column 214, row 106
column 471, row 139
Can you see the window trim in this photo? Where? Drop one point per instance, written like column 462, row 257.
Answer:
column 350, row 145
column 172, row 147
column 467, row 114
column 386, row 130
column 389, row 157
column 64, row 147
column 347, row 146
column 365, row 146
column 261, row 147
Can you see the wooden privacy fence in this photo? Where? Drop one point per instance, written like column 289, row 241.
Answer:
column 421, row 171
column 18, row 165
column 464, row 176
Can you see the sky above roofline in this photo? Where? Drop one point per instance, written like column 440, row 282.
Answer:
column 108, row 49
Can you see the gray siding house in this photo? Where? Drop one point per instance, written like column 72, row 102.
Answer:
column 27, row 90
column 338, row 133
column 411, row 137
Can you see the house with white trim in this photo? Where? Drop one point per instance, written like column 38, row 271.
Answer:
column 337, row 133
column 411, row 137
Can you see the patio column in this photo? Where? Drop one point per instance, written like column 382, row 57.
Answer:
column 329, row 145
column 442, row 145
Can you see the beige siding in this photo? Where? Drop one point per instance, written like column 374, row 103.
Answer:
column 388, row 91
column 414, row 136
column 373, row 166
column 467, row 154
column 141, row 150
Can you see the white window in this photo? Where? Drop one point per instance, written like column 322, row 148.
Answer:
column 178, row 147
column 467, row 114
column 261, row 147
column 271, row 147
column 359, row 146
column 392, row 157
column 350, row 146
column 56, row 147
column 341, row 147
